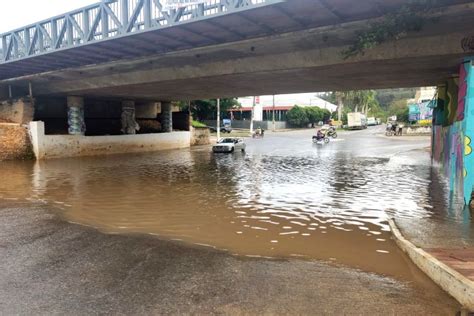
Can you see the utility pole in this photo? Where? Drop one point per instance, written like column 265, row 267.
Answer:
column 218, row 119
column 251, row 116
column 274, row 128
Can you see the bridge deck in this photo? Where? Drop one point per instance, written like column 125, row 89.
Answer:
column 72, row 40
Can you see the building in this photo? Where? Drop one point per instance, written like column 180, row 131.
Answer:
column 421, row 107
column 281, row 104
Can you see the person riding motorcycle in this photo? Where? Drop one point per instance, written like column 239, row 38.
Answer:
column 320, row 135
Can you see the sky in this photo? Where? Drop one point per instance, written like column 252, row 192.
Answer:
column 18, row 13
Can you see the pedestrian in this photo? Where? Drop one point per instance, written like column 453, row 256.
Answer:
column 400, row 130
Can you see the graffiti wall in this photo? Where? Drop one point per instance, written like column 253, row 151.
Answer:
column 453, row 131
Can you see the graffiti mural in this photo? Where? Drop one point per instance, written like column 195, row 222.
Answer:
column 467, row 91
column 453, row 131
column 452, row 90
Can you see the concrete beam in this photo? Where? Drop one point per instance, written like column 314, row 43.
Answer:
column 308, row 60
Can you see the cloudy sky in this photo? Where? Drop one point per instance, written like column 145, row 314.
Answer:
column 17, row 13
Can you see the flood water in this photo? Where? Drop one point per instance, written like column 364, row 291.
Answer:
column 284, row 197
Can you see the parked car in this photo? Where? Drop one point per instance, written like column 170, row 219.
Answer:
column 224, row 129
column 371, row 121
column 229, row 145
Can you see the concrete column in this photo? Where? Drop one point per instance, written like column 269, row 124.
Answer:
column 166, row 117
column 75, row 113
column 129, row 124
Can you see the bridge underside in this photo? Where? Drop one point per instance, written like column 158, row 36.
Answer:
column 295, row 61
column 367, row 75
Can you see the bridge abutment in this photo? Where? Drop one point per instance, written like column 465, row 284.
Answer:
column 78, row 126
column 453, row 131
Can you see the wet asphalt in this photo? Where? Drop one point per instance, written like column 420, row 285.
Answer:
column 51, row 267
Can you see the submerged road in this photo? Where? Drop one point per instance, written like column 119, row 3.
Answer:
column 287, row 228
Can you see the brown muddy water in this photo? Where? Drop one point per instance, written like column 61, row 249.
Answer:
column 327, row 204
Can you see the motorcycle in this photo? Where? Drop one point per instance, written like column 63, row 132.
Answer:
column 391, row 130
column 331, row 133
column 258, row 134
column 320, row 140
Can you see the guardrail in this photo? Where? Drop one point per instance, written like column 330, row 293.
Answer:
column 104, row 20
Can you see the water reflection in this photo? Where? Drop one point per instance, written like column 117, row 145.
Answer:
column 332, row 208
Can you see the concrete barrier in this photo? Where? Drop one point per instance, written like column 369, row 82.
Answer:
column 417, row 130
column 200, row 136
column 61, row 146
column 457, row 285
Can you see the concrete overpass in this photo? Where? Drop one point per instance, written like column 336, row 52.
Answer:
column 246, row 48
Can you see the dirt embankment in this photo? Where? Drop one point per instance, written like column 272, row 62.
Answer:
column 15, row 142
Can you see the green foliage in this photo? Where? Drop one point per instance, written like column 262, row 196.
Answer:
column 297, row 117
column 410, row 17
column 400, row 109
column 357, row 100
column 207, row 109
column 316, row 114
column 302, row 116
column 198, row 124
column 386, row 97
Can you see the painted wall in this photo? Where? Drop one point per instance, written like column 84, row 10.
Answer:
column 453, row 131
column 61, row 146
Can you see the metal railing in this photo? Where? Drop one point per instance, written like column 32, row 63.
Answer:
column 104, row 20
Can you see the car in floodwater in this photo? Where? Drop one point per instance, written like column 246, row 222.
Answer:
column 229, row 145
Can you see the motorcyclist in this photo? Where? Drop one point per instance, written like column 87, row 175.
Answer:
column 394, row 127
column 319, row 135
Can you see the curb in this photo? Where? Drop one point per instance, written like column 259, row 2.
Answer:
column 457, row 285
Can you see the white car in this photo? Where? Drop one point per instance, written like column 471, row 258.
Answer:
column 229, row 145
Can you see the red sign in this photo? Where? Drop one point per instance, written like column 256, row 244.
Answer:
column 257, row 100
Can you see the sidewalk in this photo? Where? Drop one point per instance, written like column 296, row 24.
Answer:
column 451, row 268
column 405, row 137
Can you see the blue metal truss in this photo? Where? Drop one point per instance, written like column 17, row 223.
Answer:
column 105, row 20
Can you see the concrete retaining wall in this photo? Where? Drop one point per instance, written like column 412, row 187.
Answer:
column 200, row 136
column 457, row 285
column 14, row 142
column 61, row 146
column 266, row 125
column 19, row 111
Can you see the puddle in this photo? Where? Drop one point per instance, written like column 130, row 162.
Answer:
column 325, row 204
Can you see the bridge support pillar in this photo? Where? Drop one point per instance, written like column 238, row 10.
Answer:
column 129, row 124
column 75, row 115
column 166, row 117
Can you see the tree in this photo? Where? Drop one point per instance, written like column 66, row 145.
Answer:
column 400, row 109
column 206, row 109
column 297, row 116
column 314, row 114
column 356, row 100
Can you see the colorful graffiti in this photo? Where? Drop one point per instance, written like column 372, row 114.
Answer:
column 453, row 130
column 467, row 90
